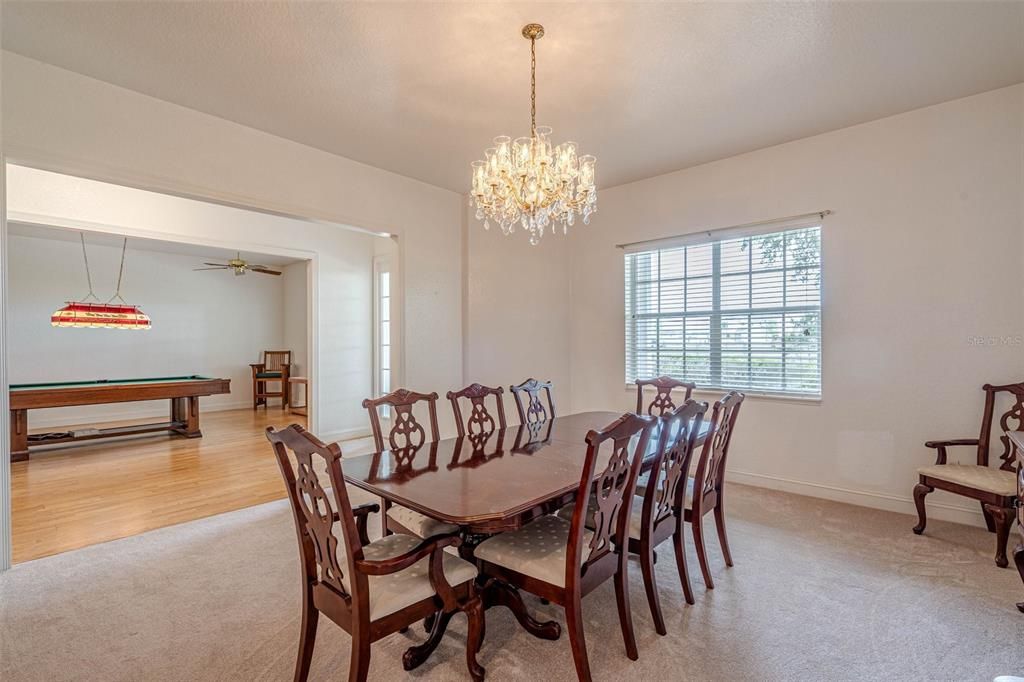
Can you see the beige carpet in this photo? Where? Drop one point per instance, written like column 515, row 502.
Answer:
column 820, row 591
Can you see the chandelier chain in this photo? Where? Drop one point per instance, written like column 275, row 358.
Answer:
column 533, row 87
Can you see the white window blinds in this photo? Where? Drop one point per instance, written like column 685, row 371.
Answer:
column 741, row 313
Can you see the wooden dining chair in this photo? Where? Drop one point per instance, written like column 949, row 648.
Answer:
column 562, row 561
column 369, row 589
column 995, row 488
column 662, row 402
column 406, row 435
column 480, row 421
column 534, row 411
column 706, row 490
column 276, row 367
column 658, row 513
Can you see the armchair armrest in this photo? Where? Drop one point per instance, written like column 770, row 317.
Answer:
column 432, row 547
column 941, row 445
column 362, row 513
column 258, row 366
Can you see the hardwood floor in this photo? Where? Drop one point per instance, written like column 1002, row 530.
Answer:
column 78, row 495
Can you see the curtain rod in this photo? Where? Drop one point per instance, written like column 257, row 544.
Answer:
column 820, row 214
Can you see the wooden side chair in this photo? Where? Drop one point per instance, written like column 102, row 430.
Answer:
column 994, row 488
column 405, row 437
column 480, row 421
column 658, row 514
column 275, row 367
column 662, row 402
column 369, row 589
column 534, row 411
column 562, row 561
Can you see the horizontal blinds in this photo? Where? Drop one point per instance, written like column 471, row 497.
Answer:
column 741, row 313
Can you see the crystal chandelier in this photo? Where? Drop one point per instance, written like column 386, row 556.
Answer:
column 529, row 182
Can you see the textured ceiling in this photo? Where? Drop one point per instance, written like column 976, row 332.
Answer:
column 421, row 88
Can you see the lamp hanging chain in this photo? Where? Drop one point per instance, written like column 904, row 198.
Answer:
column 120, row 274
column 533, row 87
column 88, row 275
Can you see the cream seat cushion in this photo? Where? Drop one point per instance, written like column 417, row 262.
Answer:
column 988, row 479
column 538, row 549
column 391, row 593
column 637, row 513
column 418, row 524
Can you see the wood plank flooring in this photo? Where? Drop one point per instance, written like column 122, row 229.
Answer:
column 78, row 495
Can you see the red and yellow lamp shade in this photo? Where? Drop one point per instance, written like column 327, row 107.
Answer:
column 100, row 316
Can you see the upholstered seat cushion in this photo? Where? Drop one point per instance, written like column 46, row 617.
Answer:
column 391, row 593
column 418, row 524
column 989, row 479
column 268, row 375
column 637, row 513
column 538, row 549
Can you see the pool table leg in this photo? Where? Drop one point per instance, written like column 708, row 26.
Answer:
column 19, row 435
column 185, row 411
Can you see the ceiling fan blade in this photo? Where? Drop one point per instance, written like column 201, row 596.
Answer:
column 265, row 271
column 219, row 267
column 223, row 265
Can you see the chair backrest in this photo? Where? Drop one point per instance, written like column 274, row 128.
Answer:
column 612, row 490
column 710, row 472
column 319, row 532
column 662, row 402
column 671, row 466
column 480, row 421
column 534, row 411
column 276, row 360
column 406, row 431
column 1015, row 415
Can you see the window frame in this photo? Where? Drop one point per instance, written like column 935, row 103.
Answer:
column 715, row 312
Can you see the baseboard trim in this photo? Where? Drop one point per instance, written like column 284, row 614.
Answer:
column 896, row 503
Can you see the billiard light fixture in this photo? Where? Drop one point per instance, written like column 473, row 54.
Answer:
column 97, row 315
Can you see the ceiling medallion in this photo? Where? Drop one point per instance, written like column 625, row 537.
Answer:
column 529, row 182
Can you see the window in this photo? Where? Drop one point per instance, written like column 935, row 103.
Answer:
column 384, row 332
column 729, row 313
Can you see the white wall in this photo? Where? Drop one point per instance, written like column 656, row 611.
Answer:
column 206, row 323
column 922, row 254
column 295, row 315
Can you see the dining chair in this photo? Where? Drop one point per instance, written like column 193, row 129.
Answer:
column 562, row 561
column 406, row 435
column 534, row 411
column 657, row 514
column 369, row 589
column 276, row 366
column 662, row 403
column 706, row 490
column 480, row 421
column 994, row 487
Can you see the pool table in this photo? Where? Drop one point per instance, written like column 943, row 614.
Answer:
column 183, row 393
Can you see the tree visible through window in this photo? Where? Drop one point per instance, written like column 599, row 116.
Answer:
column 740, row 313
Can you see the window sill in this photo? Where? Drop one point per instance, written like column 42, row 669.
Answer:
column 718, row 393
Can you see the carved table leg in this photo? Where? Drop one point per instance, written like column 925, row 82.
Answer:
column 415, row 655
column 497, row 593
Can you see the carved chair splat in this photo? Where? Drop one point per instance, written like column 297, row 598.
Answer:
column 662, row 402
column 534, row 411
column 480, row 421
column 338, row 578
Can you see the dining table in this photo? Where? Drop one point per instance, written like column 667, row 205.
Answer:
column 493, row 482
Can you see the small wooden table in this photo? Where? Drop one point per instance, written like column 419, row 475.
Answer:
column 1017, row 440
column 300, row 409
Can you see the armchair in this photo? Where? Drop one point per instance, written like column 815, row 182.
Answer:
column 276, row 367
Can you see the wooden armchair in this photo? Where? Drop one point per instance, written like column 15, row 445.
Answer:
column 662, row 402
column 534, row 411
column 562, row 561
column 660, row 516
column 406, row 436
column 275, row 367
column 994, row 488
column 369, row 589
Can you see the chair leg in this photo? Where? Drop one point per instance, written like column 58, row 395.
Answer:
column 255, row 394
column 684, row 574
column 920, row 490
column 990, row 522
column 307, row 637
column 702, row 552
column 1003, row 518
column 647, row 567
column 1018, row 559
column 359, row 664
column 723, row 539
column 574, row 622
column 625, row 615
column 474, row 639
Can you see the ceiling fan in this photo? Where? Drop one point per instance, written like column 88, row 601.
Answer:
column 239, row 266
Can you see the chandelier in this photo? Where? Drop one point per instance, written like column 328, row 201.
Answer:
column 528, row 182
